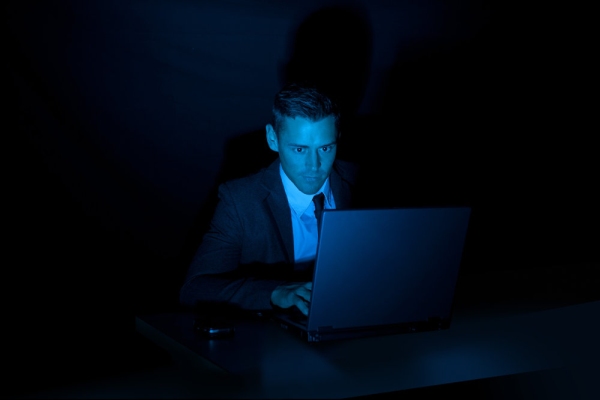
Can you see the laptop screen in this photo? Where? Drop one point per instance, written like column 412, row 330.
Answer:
column 386, row 266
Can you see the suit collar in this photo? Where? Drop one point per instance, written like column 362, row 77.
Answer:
column 278, row 204
column 300, row 201
column 337, row 180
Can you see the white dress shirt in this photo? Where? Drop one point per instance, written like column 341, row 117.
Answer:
column 304, row 222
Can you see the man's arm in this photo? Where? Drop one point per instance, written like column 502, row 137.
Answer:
column 215, row 274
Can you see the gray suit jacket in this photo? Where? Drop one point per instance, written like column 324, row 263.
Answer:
column 249, row 248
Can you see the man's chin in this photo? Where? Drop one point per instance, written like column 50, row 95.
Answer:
column 310, row 189
column 309, row 185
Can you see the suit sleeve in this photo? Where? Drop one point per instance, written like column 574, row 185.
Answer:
column 215, row 274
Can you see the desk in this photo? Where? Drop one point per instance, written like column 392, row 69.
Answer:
column 264, row 361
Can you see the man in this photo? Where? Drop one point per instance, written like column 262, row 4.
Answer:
column 262, row 239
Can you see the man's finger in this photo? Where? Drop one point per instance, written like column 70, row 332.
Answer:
column 302, row 306
column 303, row 294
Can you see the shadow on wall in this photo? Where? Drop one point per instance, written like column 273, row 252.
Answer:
column 422, row 146
column 332, row 48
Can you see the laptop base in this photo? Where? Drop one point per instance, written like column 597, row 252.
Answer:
column 328, row 334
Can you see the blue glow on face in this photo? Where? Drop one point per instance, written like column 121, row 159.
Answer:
column 306, row 149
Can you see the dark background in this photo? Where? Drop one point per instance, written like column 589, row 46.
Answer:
column 121, row 118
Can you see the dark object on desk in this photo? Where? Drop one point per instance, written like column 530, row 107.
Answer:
column 214, row 329
column 230, row 312
column 215, row 320
column 383, row 271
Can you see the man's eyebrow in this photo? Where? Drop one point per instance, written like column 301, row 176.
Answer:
column 305, row 146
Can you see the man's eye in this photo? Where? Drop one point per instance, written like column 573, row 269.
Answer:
column 326, row 149
column 298, row 149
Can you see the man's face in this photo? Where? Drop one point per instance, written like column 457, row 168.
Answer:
column 306, row 150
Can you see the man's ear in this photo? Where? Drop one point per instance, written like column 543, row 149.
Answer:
column 272, row 138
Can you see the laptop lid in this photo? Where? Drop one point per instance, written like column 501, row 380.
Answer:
column 386, row 268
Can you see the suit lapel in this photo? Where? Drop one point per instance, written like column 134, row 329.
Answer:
column 280, row 210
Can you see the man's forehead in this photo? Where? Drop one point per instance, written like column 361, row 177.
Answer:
column 299, row 124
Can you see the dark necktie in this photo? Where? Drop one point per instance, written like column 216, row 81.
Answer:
column 319, row 201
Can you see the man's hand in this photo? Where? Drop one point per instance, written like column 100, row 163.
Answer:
column 297, row 294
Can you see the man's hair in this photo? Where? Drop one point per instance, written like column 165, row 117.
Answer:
column 303, row 100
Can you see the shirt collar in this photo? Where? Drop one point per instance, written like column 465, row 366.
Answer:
column 299, row 201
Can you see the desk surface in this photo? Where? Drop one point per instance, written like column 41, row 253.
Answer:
column 265, row 361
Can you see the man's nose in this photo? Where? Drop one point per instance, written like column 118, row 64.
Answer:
column 313, row 161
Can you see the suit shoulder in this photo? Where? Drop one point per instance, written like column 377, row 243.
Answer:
column 246, row 186
column 347, row 170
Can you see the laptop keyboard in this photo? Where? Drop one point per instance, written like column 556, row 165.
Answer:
column 297, row 316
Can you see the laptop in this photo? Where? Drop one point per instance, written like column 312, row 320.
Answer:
column 383, row 271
